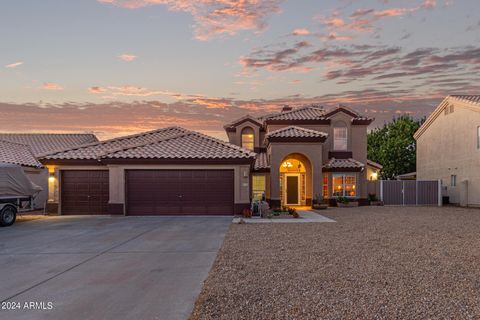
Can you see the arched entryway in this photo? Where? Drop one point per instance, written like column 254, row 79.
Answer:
column 295, row 180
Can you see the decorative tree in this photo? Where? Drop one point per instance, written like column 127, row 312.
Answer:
column 394, row 147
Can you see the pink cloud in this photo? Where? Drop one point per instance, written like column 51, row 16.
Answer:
column 300, row 32
column 214, row 17
column 52, row 86
column 97, row 90
column 127, row 57
column 429, row 4
column 14, row 65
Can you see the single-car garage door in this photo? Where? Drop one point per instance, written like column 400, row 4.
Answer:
column 180, row 192
column 84, row 191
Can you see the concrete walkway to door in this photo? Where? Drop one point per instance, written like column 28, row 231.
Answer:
column 306, row 216
column 102, row 267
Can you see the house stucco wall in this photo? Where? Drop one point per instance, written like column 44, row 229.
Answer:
column 448, row 146
column 236, row 137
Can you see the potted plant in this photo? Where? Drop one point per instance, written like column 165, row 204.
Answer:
column 293, row 212
column 372, row 198
column 318, row 204
column 344, row 202
column 247, row 213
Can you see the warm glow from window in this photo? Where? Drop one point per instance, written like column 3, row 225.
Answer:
column 344, row 185
column 258, row 187
column 248, row 139
column 374, row 176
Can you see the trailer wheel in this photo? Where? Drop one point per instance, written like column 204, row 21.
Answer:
column 8, row 216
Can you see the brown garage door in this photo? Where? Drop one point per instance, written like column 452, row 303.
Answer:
column 84, row 192
column 179, row 192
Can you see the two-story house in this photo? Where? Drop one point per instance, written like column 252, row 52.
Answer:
column 448, row 148
column 305, row 153
column 292, row 157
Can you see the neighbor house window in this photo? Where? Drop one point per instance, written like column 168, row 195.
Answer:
column 258, row 187
column 248, row 139
column 478, row 137
column 453, row 180
column 344, row 185
column 340, row 137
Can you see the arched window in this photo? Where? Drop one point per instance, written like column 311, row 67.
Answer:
column 340, row 136
column 248, row 138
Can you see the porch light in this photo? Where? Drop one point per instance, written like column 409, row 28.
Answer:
column 51, row 176
column 374, row 176
column 287, row 164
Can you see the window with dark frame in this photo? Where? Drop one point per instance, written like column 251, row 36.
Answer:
column 453, row 180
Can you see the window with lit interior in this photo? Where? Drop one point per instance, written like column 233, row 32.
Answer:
column 344, row 185
column 248, row 138
column 340, row 137
column 258, row 187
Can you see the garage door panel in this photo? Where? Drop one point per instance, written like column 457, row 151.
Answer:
column 179, row 192
column 84, row 191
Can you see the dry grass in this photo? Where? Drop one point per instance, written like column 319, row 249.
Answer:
column 375, row 263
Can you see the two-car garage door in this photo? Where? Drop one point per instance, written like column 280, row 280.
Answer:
column 151, row 192
column 179, row 192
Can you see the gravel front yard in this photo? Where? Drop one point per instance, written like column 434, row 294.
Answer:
column 375, row 263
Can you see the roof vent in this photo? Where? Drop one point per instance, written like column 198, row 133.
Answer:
column 286, row 108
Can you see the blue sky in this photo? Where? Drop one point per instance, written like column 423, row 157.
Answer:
column 122, row 66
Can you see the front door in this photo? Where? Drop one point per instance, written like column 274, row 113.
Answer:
column 292, row 189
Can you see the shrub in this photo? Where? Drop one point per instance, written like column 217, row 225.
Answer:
column 372, row 197
column 343, row 200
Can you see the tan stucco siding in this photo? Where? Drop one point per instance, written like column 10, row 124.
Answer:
column 448, row 146
column 236, row 137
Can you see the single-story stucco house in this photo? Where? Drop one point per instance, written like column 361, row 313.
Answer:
column 448, row 148
column 289, row 157
column 24, row 148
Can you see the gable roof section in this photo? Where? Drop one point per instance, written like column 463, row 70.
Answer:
column 167, row 143
column 298, row 114
column 356, row 117
column 41, row 143
column 343, row 164
column 231, row 126
column 16, row 153
column 374, row 164
column 467, row 98
column 472, row 101
column 314, row 114
column 294, row 133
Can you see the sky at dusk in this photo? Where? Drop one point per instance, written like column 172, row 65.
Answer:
column 116, row 67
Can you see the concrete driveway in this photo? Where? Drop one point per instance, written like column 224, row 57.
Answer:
column 106, row 267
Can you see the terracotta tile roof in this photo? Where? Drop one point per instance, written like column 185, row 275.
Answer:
column 242, row 119
column 469, row 98
column 167, row 143
column 41, row 143
column 343, row 164
column 16, row 153
column 261, row 161
column 313, row 112
column 302, row 113
column 374, row 164
column 97, row 149
column 295, row 132
column 188, row 145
